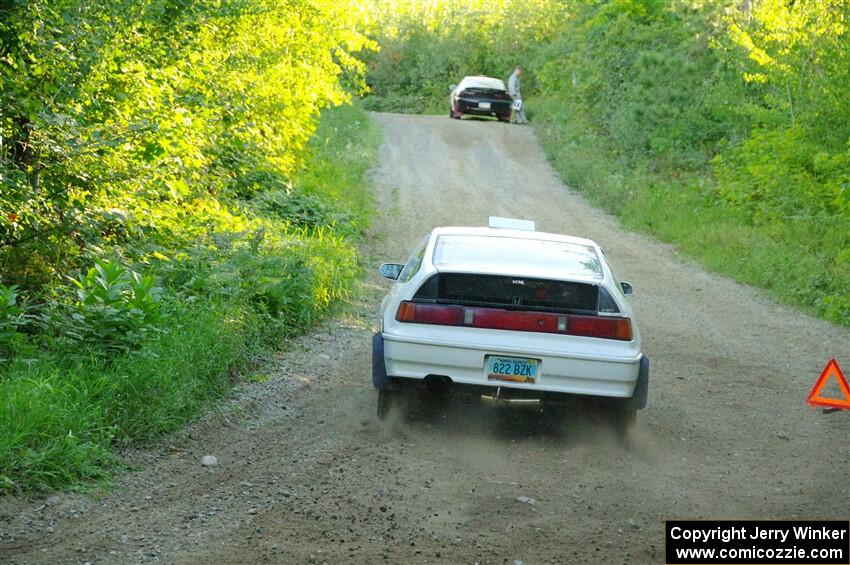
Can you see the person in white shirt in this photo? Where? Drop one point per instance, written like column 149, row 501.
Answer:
column 517, row 116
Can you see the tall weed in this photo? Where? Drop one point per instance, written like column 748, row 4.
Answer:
column 12, row 313
column 116, row 308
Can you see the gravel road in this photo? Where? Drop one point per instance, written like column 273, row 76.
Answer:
column 306, row 474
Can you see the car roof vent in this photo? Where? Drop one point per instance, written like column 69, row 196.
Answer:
column 511, row 223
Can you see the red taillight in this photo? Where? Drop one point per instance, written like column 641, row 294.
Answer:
column 465, row 93
column 515, row 320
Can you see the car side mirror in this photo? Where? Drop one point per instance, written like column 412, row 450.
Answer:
column 391, row 270
column 452, row 88
column 627, row 288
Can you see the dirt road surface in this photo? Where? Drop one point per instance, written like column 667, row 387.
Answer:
column 306, row 473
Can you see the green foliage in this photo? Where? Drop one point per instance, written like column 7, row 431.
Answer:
column 289, row 280
column 198, row 316
column 796, row 161
column 12, row 315
column 59, row 419
column 340, row 154
column 302, row 209
column 145, row 151
column 118, row 115
column 795, row 259
column 779, row 173
column 116, row 308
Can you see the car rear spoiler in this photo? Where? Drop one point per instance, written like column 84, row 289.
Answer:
column 511, row 224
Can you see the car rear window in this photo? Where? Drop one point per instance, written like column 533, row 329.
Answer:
column 509, row 292
column 486, row 91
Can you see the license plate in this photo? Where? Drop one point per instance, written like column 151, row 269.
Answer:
column 484, row 105
column 512, row 369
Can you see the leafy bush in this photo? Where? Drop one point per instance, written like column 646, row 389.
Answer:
column 405, row 103
column 299, row 208
column 778, row 174
column 13, row 315
column 115, row 310
column 288, row 278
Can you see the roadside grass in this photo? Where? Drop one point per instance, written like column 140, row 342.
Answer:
column 408, row 104
column 64, row 409
column 793, row 260
column 341, row 153
column 60, row 418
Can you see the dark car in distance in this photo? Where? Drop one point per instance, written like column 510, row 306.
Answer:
column 480, row 96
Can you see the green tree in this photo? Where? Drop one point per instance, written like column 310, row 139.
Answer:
column 122, row 118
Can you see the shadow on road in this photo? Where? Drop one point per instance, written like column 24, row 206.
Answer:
column 564, row 426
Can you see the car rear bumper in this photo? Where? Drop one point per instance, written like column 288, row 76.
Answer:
column 558, row 373
column 471, row 106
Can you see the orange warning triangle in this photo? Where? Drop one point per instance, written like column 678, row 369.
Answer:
column 831, row 370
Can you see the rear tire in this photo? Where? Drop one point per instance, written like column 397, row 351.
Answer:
column 385, row 402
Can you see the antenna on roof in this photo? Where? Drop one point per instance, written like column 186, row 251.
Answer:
column 511, row 223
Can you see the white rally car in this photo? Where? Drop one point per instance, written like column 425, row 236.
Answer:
column 510, row 312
